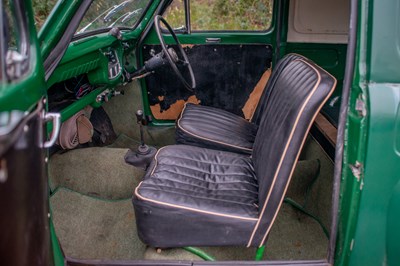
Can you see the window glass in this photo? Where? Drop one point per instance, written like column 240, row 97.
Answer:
column 15, row 57
column 115, row 13
column 42, row 9
column 10, row 39
column 230, row 15
column 222, row 15
column 175, row 14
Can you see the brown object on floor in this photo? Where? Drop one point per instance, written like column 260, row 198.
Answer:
column 173, row 111
column 326, row 128
column 252, row 102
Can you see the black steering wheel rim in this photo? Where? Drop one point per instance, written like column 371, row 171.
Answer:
column 192, row 86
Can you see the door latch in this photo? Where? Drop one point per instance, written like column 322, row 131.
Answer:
column 56, row 120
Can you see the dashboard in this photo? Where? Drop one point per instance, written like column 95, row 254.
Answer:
column 89, row 72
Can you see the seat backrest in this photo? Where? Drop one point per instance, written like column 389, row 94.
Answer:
column 298, row 94
column 282, row 63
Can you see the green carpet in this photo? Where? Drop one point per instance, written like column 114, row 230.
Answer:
column 89, row 228
column 125, row 142
column 99, row 172
column 320, row 200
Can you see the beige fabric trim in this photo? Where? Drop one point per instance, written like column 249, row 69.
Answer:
column 191, row 209
column 285, row 150
column 84, row 129
column 76, row 130
column 155, row 158
column 200, row 137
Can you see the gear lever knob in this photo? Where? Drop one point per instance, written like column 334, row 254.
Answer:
column 139, row 116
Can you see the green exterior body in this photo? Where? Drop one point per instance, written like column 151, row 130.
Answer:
column 24, row 93
column 370, row 206
column 369, row 211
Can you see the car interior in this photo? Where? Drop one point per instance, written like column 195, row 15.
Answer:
column 184, row 141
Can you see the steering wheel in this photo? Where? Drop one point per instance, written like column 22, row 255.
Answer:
column 172, row 56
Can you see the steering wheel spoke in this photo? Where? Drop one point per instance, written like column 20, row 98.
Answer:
column 174, row 62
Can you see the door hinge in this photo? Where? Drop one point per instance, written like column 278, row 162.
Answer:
column 358, row 172
column 360, row 106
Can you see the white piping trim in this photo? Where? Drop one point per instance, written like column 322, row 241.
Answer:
column 204, row 138
column 190, row 209
column 286, row 148
column 155, row 159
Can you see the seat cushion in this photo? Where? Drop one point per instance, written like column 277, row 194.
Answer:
column 215, row 128
column 211, row 195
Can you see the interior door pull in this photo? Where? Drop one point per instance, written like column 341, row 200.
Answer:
column 213, row 40
column 56, row 119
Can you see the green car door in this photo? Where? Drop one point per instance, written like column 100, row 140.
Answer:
column 23, row 180
column 27, row 130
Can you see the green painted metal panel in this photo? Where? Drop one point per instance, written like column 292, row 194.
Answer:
column 369, row 208
column 24, row 93
column 54, row 27
column 382, row 168
column 392, row 228
column 384, row 41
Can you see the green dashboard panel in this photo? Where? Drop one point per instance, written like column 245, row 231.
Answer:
column 89, row 57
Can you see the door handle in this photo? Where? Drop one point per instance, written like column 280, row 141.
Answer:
column 213, row 40
column 56, row 120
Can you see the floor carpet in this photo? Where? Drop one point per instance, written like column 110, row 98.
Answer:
column 90, row 228
column 98, row 172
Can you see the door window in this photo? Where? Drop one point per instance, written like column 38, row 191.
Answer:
column 222, row 15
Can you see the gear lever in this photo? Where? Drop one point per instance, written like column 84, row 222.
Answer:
column 143, row 156
column 143, row 148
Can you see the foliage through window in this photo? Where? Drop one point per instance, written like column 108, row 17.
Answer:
column 175, row 14
column 112, row 13
column 10, row 34
column 42, row 9
column 222, row 15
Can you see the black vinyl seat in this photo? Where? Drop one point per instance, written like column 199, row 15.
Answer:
column 215, row 128
column 205, row 197
column 197, row 186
